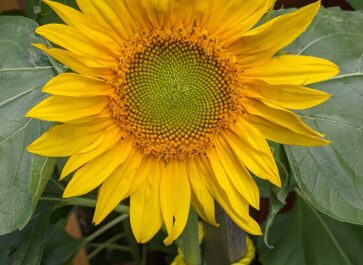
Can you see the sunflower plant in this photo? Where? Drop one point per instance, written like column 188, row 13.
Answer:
column 179, row 132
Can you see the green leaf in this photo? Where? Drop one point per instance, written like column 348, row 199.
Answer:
column 332, row 177
column 23, row 70
column 356, row 4
column 60, row 248
column 304, row 236
column 25, row 247
column 41, row 170
column 189, row 240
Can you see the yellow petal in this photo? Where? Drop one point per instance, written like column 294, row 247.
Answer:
column 71, row 39
column 80, row 64
column 237, row 209
column 293, row 70
column 138, row 12
column 279, row 120
column 91, row 175
column 174, row 198
column 278, row 115
column 202, row 200
column 105, row 115
column 156, row 11
column 145, row 212
column 260, row 44
column 231, row 19
column 186, row 12
column 117, row 186
column 284, row 135
column 76, row 85
column 62, row 109
column 237, row 173
column 252, row 149
column 87, row 7
column 111, row 137
column 89, row 27
column 117, row 17
column 288, row 96
column 147, row 165
column 67, row 139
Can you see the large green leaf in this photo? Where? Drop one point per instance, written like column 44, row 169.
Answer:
column 26, row 247
column 23, row 70
column 304, row 236
column 332, row 177
column 41, row 170
column 356, row 4
column 59, row 247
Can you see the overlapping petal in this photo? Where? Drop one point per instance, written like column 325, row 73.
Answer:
column 145, row 206
column 63, row 108
column 73, row 40
column 229, row 20
column 76, row 85
column 80, row 64
column 234, row 205
column 287, row 96
column 292, row 70
column 201, row 198
column 110, row 138
column 175, row 197
column 95, row 172
column 231, row 173
column 89, row 27
column 67, row 139
column 282, row 125
column 116, row 187
column 258, row 45
column 252, row 149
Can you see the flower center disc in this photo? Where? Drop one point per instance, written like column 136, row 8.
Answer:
column 174, row 98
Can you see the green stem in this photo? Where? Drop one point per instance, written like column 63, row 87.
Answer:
column 144, row 255
column 106, row 227
column 86, row 202
column 104, row 245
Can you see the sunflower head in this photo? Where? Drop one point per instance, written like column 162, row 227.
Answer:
column 171, row 103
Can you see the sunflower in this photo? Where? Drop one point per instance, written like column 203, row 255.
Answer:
column 171, row 103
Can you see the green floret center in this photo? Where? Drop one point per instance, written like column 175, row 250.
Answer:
column 175, row 96
column 175, row 90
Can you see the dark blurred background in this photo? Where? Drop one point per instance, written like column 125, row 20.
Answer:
column 327, row 3
column 6, row 5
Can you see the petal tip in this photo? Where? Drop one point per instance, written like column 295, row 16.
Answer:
column 277, row 181
column 169, row 240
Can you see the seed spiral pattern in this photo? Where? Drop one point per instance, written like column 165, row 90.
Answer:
column 174, row 97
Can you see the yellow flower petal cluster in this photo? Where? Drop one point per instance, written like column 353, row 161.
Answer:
column 170, row 102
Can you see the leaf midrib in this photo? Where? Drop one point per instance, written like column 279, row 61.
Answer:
column 33, row 68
